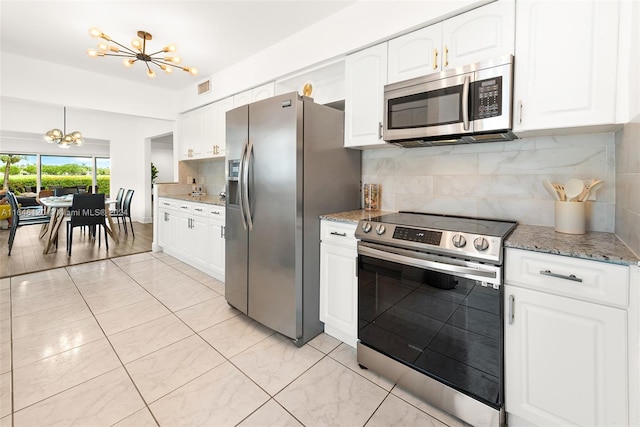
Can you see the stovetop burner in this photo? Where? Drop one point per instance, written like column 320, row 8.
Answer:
column 472, row 238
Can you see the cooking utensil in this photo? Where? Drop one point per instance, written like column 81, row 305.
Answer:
column 560, row 190
column 595, row 186
column 573, row 188
column 597, row 183
column 550, row 188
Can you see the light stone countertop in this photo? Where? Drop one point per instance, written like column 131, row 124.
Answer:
column 208, row 199
column 594, row 245
column 352, row 217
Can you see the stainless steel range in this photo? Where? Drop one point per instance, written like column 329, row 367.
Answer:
column 430, row 309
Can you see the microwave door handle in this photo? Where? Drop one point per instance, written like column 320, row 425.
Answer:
column 465, row 103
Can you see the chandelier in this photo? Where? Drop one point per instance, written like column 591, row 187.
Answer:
column 139, row 53
column 62, row 138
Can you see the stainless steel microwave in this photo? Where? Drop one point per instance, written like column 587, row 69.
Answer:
column 473, row 103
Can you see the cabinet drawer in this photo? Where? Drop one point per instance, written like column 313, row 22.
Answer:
column 575, row 278
column 216, row 212
column 340, row 233
column 167, row 204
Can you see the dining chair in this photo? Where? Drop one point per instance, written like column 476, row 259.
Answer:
column 118, row 207
column 87, row 210
column 23, row 217
column 125, row 212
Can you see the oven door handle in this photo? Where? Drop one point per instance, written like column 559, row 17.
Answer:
column 431, row 265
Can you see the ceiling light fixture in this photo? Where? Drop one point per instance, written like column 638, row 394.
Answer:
column 139, row 54
column 62, row 138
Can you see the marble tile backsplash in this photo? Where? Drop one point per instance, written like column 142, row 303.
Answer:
column 208, row 173
column 627, row 215
column 496, row 180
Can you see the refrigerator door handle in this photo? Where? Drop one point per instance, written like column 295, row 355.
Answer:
column 246, row 186
column 241, row 182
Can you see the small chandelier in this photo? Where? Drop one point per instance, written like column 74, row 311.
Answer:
column 62, row 138
column 139, row 54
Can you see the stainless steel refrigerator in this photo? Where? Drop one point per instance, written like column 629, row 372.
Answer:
column 286, row 166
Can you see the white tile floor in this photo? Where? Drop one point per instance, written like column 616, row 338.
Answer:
column 146, row 340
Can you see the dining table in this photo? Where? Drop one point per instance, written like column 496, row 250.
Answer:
column 57, row 207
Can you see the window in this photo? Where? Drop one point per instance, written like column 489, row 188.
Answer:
column 31, row 173
column 63, row 171
column 22, row 175
column 103, row 174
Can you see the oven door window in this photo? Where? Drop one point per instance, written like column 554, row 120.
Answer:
column 444, row 326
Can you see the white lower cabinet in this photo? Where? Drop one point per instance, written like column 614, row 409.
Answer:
column 339, row 281
column 566, row 354
column 193, row 233
column 216, row 249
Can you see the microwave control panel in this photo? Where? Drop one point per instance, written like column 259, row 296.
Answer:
column 487, row 96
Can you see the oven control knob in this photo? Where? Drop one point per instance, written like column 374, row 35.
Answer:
column 380, row 229
column 366, row 227
column 481, row 244
column 459, row 241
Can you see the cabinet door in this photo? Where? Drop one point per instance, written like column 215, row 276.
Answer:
column 565, row 360
column 339, row 292
column 216, row 249
column 480, row 34
column 198, row 240
column 365, row 77
column 242, row 98
column 415, row 54
column 183, row 236
column 263, row 92
column 166, row 229
column 220, row 116
column 565, row 68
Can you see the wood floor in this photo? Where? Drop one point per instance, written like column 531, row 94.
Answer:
column 26, row 255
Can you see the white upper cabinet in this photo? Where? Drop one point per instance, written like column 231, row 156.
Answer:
column 415, row 54
column 483, row 33
column 256, row 94
column 219, row 125
column 565, row 64
column 365, row 77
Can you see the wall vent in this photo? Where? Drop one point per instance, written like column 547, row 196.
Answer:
column 204, row 87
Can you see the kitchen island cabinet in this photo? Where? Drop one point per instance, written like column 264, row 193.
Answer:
column 570, row 325
column 194, row 233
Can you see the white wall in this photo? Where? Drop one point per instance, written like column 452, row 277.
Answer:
column 501, row 180
column 41, row 81
column 162, row 158
column 128, row 138
column 363, row 24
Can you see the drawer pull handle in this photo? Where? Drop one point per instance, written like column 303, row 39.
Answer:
column 334, row 233
column 198, row 209
column 215, row 212
column 571, row 277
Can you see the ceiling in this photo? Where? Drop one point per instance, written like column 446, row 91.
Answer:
column 209, row 35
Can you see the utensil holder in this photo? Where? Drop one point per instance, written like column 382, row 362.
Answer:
column 570, row 217
column 371, row 197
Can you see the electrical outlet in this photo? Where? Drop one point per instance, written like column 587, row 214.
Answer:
column 189, row 179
